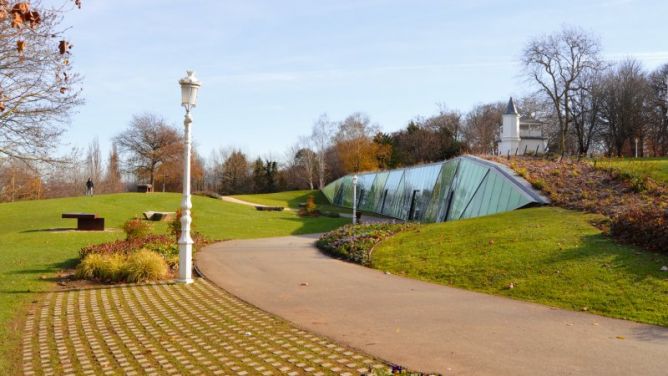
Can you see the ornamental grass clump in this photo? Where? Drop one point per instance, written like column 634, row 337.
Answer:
column 145, row 265
column 103, row 268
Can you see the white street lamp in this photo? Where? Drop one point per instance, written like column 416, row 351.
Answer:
column 189, row 87
column 354, row 199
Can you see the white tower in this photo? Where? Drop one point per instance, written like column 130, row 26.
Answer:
column 510, row 130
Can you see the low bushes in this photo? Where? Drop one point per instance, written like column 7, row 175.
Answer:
column 646, row 228
column 140, row 266
column 355, row 243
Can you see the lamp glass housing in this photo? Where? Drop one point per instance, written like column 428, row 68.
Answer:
column 189, row 88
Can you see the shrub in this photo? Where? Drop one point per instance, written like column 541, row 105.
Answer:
column 145, row 265
column 355, row 243
column 175, row 224
column 646, row 228
column 105, row 268
column 310, row 209
column 136, row 228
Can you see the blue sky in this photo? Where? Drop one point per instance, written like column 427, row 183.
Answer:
column 269, row 68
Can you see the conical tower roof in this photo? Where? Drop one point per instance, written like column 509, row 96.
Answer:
column 511, row 109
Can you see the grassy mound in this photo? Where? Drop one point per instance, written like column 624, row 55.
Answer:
column 655, row 168
column 549, row 255
column 35, row 243
column 635, row 203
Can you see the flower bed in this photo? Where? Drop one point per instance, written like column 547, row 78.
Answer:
column 141, row 256
column 356, row 243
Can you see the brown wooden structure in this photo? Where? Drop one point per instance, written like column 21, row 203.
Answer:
column 86, row 221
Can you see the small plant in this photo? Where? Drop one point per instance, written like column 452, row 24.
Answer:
column 310, row 209
column 538, row 184
column 521, row 171
column 145, row 265
column 136, row 228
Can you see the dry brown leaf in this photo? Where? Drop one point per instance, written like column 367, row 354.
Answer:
column 17, row 20
column 34, row 18
column 63, row 46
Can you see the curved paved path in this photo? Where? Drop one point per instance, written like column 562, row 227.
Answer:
column 425, row 326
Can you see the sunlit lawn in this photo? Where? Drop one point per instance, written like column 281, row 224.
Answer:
column 550, row 255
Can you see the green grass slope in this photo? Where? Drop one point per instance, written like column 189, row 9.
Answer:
column 550, row 255
column 656, row 168
column 32, row 252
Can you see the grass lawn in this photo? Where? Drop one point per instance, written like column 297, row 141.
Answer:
column 552, row 256
column 656, row 168
column 292, row 199
column 32, row 254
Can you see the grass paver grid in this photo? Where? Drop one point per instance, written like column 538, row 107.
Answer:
column 166, row 329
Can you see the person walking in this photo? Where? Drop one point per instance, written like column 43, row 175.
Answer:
column 89, row 187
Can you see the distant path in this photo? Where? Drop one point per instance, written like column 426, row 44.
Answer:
column 242, row 202
column 425, row 326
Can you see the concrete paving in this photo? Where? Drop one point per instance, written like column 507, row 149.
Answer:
column 173, row 329
column 425, row 326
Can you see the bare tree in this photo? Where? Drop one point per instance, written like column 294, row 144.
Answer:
column 236, row 174
column 148, row 143
column 38, row 88
column 482, row 127
column 585, row 109
column 556, row 63
column 306, row 160
column 112, row 182
column 625, row 110
column 94, row 161
column 321, row 139
column 657, row 136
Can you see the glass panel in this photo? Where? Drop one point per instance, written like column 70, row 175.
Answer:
column 468, row 179
column 437, row 205
column 473, row 208
column 330, row 191
column 372, row 201
column 347, row 192
column 394, row 192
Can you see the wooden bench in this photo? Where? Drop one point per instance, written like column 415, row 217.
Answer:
column 86, row 221
column 269, row 208
column 159, row 216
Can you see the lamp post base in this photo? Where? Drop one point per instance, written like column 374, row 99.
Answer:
column 185, row 281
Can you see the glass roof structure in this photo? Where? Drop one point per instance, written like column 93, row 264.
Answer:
column 462, row 187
